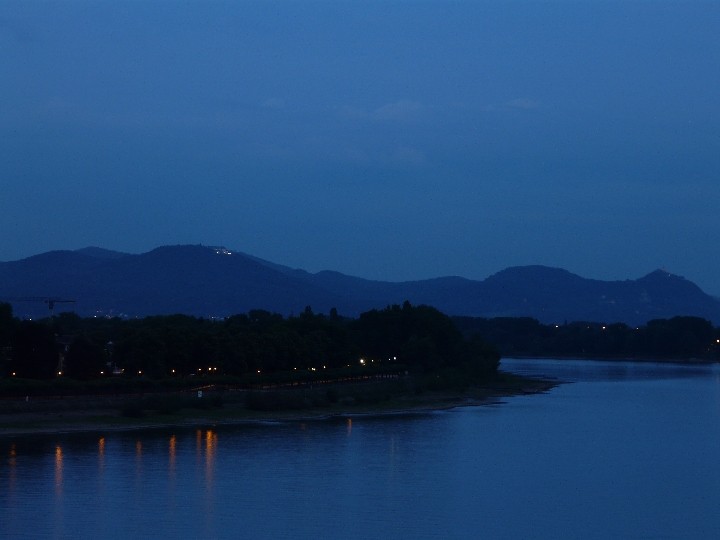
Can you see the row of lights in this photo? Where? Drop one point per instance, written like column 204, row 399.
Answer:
column 363, row 361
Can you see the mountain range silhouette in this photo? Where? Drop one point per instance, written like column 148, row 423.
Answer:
column 210, row 281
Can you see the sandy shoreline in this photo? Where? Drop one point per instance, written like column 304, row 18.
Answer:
column 56, row 425
column 49, row 422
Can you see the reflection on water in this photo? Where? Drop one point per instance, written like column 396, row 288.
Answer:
column 172, row 451
column 101, row 456
column 205, row 446
column 637, row 446
column 12, row 463
column 58, row 469
column 59, row 491
column 138, row 464
column 210, row 446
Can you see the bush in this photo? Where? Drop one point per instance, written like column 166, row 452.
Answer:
column 276, row 401
column 132, row 410
column 207, row 402
column 332, row 395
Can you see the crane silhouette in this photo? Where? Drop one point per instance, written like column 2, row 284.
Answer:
column 49, row 300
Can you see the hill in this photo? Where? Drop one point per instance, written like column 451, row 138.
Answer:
column 216, row 282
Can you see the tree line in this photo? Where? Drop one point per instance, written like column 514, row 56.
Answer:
column 415, row 338
column 678, row 338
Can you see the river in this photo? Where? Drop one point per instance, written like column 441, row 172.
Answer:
column 623, row 450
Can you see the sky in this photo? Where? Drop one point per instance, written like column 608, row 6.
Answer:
column 390, row 140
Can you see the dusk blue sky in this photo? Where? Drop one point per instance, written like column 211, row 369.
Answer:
column 387, row 140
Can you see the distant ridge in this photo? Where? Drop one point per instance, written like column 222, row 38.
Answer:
column 213, row 281
column 101, row 253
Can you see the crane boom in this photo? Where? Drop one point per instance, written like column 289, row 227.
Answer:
column 49, row 300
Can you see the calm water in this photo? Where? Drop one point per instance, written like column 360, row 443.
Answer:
column 625, row 451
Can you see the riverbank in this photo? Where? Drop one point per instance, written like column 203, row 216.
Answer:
column 126, row 413
column 609, row 358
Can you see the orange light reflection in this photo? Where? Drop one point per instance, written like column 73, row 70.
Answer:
column 12, row 463
column 101, row 454
column 171, row 452
column 138, row 460
column 210, row 447
column 58, row 469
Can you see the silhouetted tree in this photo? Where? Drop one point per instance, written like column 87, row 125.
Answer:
column 84, row 359
column 420, row 336
column 7, row 327
column 34, row 354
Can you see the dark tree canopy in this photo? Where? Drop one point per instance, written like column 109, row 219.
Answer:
column 415, row 338
column 678, row 338
column 34, row 352
column 418, row 339
column 84, row 359
column 420, row 336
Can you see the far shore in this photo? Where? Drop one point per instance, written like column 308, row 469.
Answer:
column 640, row 359
column 77, row 416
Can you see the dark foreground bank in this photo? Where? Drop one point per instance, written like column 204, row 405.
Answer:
column 217, row 406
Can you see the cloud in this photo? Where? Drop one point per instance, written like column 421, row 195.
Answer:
column 517, row 104
column 348, row 112
column 523, row 103
column 408, row 156
column 398, row 111
column 402, row 110
column 273, row 103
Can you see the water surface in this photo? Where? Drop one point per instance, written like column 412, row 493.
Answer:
column 624, row 450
